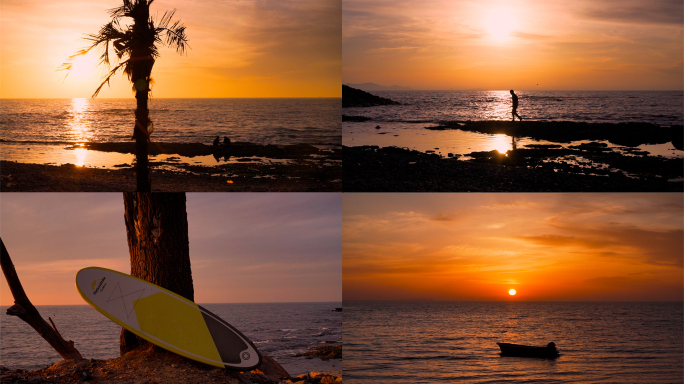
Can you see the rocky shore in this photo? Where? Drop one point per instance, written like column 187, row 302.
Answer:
column 627, row 134
column 298, row 168
column 157, row 366
column 540, row 169
column 235, row 149
column 592, row 166
column 324, row 352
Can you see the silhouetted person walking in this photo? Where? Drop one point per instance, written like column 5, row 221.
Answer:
column 514, row 113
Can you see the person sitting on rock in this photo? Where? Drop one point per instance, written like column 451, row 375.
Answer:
column 226, row 141
column 216, row 141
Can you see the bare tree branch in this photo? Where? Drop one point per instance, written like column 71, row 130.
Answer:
column 23, row 309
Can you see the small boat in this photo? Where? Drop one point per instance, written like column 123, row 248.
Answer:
column 518, row 350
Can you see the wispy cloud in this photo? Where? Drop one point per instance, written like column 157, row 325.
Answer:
column 659, row 12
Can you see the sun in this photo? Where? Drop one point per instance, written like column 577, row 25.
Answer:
column 499, row 24
column 512, row 292
column 84, row 67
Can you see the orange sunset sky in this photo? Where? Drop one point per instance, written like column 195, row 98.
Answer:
column 246, row 48
column 575, row 247
column 523, row 44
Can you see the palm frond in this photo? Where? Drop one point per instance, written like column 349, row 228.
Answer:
column 109, row 33
column 124, row 10
column 109, row 76
column 135, row 46
column 175, row 33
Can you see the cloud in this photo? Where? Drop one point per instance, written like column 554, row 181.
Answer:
column 277, row 39
column 550, row 240
column 531, row 36
column 624, row 241
column 659, row 12
column 441, row 217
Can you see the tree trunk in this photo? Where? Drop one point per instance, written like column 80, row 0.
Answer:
column 157, row 231
column 142, row 55
column 142, row 122
column 24, row 309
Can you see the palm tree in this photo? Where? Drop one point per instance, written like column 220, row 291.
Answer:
column 135, row 47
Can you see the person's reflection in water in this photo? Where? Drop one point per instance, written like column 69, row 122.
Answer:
column 514, row 113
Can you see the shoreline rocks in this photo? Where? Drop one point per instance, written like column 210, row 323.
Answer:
column 392, row 169
column 627, row 134
column 299, row 176
column 352, row 97
column 236, row 149
column 325, row 352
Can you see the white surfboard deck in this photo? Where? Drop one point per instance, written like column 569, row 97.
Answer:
column 166, row 319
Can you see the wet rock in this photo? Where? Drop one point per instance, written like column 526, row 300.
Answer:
column 325, row 352
column 355, row 118
column 373, row 169
column 236, row 149
column 627, row 134
column 592, row 147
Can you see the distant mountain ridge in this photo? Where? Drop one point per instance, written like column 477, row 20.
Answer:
column 376, row 87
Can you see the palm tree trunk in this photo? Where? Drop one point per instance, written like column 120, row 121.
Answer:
column 142, row 121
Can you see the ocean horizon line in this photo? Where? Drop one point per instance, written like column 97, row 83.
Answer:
column 169, row 98
column 512, row 301
column 200, row 303
column 525, row 90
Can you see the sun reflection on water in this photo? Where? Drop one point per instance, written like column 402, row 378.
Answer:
column 79, row 124
column 80, row 156
column 502, row 143
column 495, row 105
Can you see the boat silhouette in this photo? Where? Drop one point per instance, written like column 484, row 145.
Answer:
column 518, row 350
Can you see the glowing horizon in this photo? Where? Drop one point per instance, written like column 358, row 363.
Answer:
column 548, row 247
column 248, row 49
column 531, row 45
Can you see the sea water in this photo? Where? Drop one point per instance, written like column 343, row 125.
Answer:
column 441, row 342
column 279, row 330
column 404, row 125
column 47, row 130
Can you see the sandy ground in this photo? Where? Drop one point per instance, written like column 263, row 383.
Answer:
column 298, row 177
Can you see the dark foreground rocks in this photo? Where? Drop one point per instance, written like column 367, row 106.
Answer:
column 352, row 97
column 373, row 169
column 236, row 149
column 297, row 176
column 156, row 366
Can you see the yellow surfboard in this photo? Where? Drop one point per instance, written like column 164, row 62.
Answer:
column 166, row 319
